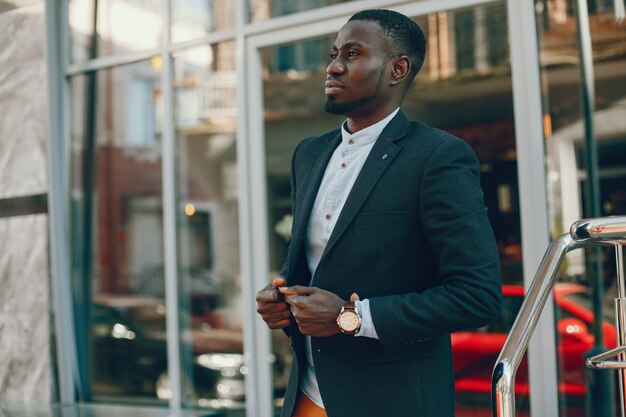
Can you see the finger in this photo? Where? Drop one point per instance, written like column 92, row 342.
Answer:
column 269, row 298
column 269, row 295
column 354, row 297
column 297, row 290
column 281, row 324
column 287, row 291
column 295, row 299
column 280, row 306
column 290, row 299
column 274, row 316
column 271, row 308
column 279, row 282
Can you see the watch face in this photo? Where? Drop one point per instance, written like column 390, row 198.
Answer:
column 349, row 321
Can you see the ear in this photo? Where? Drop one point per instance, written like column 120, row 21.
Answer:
column 400, row 68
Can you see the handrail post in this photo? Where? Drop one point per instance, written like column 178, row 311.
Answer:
column 503, row 380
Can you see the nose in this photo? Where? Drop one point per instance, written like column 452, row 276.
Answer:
column 334, row 68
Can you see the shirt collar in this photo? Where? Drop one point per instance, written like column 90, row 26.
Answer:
column 367, row 135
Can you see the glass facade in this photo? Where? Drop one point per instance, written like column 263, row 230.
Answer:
column 465, row 88
column 178, row 104
column 582, row 321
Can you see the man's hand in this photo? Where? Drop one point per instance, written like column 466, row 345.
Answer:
column 314, row 309
column 271, row 305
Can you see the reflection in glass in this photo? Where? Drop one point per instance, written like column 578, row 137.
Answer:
column 266, row 9
column 208, row 229
column 568, row 195
column 117, row 239
column 471, row 99
column 114, row 27
column 192, row 19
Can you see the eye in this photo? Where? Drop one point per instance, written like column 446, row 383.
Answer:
column 353, row 53
column 333, row 55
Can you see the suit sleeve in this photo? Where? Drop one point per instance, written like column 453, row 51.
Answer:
column 454, row 221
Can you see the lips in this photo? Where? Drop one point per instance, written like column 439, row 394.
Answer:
column 333, row 87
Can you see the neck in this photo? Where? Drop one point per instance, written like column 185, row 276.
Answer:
column 356, row 123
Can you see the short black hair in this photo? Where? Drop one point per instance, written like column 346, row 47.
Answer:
column 402, row 33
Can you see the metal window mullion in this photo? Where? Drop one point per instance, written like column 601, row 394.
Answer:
column 211, row 38
column 58, row 199
column 253, row 223
column 64, row 31
column 104, row 62
column 533, row 199
column 315, row 15
column 170, row 240
column 323, row 14
column 320, row 22
column 434, row 6
column 260, row 247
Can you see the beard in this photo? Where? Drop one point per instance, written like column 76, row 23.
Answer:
column 344, row 108
column 351, row 107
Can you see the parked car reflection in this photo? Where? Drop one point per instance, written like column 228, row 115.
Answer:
column 475, row 352
column 129, row 355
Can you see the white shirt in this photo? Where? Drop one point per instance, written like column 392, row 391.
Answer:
column 341, row 173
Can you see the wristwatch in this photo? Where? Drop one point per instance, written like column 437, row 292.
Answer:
column 349, row 319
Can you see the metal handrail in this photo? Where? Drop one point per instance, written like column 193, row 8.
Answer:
column 587, row 232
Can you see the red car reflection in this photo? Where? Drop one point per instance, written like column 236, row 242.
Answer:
column 476, row 352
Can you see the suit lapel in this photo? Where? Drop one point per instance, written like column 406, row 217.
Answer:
column 314, row 179
column 381, row 156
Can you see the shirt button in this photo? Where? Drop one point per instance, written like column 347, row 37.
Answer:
column 327, row 216
column 350, row 141
column 343, row 165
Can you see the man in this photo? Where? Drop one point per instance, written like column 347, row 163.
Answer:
column 388, row 213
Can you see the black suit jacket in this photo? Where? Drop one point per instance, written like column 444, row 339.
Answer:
column 414, row 239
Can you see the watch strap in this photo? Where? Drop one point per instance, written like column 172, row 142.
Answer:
column 349, row 306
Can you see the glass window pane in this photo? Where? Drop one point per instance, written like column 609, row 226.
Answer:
column 472, row 99
column 117, row 234
column 192, row 19
column 117, row 26
column 208, row 228
column 568, row 187
column 261, row 10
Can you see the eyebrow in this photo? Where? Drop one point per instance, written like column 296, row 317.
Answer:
column 349, row 44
